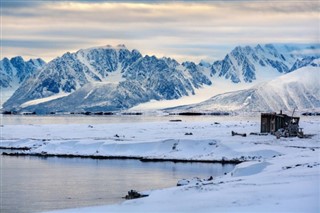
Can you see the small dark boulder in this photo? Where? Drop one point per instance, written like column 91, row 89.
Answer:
column 176, row 120
column 133, row 194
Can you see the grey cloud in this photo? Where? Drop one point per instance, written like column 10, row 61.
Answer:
column 123, row 33
column 120, row 14
column 39, row 44
column 19, row 3
column 7, row 4
column 33, row 3
column 33, row 8
column 285, row 6
column 183, row 31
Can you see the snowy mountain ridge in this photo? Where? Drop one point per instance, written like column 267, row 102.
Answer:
column 246, row 64
column 114, row 78
column 15, row 71
column 86, row 76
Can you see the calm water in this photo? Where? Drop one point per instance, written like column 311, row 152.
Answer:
column 83, row 119
column 33, row 184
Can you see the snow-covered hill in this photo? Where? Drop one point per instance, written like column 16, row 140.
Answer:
column 14, row 71
column 299, row 89
column 114, row 78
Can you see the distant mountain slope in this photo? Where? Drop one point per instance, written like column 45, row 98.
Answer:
column 14, row 71
column 306, row 61
column 247, row 64
column 299, row 89
column 114, row 79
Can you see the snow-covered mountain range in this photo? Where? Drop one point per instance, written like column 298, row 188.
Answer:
column 106, row 79
column 14, row 71
column 114, row 78
column 299, row 89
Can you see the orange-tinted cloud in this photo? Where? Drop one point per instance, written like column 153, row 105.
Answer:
column 48, row 29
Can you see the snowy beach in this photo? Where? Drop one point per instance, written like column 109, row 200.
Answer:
column 276, row 175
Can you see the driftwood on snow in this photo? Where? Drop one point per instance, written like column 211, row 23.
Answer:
column 240, row 134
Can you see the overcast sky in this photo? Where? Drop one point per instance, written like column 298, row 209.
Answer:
column 185, row 30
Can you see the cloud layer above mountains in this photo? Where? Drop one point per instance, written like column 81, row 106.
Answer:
column 185, row 30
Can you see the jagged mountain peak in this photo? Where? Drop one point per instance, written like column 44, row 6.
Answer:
column 139, row 78
column 14, row 72
column 249, row 63
column 106, row 47
column 114, row 77
column 190, row 65
column 204, row 63
column 121, row 46
column 244, row 49
column 259, row 47
column 16, row 69
column 37, row 62
column 270, row 47
column 306, row 61
column 17, row 59
column 171, row 61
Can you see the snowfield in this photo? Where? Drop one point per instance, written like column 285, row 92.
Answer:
column 276, row 175
column 299, row 89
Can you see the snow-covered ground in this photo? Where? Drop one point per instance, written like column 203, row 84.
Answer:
column 279, row 175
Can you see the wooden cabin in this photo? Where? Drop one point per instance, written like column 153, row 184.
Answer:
column 272, row 122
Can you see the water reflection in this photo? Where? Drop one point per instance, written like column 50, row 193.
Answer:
column 32, row 184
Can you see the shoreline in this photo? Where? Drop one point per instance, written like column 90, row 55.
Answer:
column 101, row 157
column 275, row 175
